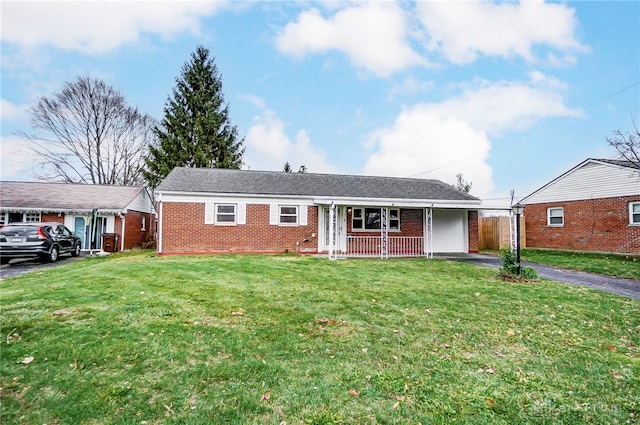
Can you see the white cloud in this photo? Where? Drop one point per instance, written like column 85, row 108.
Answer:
column 411, row 86
column 10, row 111
column 440, row 140
column 256, row 101
column 422, row 141
column 93, row 27
column 268, row 147
column 17, row 159
column 462, row 30
column 373, row 35
column 502, row 106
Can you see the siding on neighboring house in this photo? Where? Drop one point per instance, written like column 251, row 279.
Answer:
column 595, row 198
column 134, row 234
column 66, row 203
column 599, row 225
column 590, row 181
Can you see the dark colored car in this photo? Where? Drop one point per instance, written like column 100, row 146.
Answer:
column 46, row 241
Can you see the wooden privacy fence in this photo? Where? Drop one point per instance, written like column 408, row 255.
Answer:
column 493, row 233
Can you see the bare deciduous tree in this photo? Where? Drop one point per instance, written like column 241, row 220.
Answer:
column 462, row 184
column 627, row 144
column 87, row 133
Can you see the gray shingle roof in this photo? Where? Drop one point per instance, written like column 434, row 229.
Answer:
column 65, row 196
column 225, row 181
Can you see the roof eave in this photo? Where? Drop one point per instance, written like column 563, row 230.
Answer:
column 328, row 200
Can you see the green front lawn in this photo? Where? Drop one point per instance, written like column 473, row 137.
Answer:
column 135, row 339
column 627, row 266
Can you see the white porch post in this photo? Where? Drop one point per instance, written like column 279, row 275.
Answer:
column 428, row 232
column 384, row 233
column 332, row 231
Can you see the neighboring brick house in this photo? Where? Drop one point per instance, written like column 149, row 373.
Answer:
column 125, row 214
column 219, row 210
column 595, row 206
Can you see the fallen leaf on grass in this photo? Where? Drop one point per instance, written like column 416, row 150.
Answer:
column 511, row 332
column 326, row 322
column 13, row 336
column 611, row 348
column 266, row 396
column 27, row 360
column 616, row 375
column 62, row 312
column 240, row 312
column 354, row 393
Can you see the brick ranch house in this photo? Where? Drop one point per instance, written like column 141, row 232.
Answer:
column 241, row 211
column 595, row 206
column 124, row 215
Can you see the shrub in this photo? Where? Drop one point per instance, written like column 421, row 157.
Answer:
column 509, row 267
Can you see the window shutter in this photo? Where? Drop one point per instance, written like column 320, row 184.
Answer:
column 302, row 210
column 242, row 213
column 273, row 214
column 209, row 213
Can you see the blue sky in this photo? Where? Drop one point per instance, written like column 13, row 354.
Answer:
column 510, row 94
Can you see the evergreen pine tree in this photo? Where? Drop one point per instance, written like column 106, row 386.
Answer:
column 195, row 130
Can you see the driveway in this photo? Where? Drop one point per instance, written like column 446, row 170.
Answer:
column 615, row 285
column 18, row 267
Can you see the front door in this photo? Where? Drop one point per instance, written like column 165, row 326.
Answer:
column 340, row 236
column 79, row 230
column 82, row 228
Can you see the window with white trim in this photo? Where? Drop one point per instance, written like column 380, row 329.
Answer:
column 288, row 214
column 32, row 217
column 369, row 219
column 555, row 216
column 394, row 219
column 144, row 224
column 634, row 213
column 3, row 219
column 225, row 214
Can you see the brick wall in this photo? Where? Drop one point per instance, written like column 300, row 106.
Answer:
column 134, row 235
column 600, row 225
column 474, row 244
column 184, row 231
column 52, row 218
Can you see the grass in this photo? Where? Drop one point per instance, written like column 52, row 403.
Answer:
column 620, row 265
column 135, row 339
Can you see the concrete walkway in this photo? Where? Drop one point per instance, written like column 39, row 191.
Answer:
column 615, row 285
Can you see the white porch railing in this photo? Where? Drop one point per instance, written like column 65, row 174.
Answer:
column 397, row 246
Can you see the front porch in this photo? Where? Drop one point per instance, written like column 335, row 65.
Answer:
column 396, row 246
column 375, row 232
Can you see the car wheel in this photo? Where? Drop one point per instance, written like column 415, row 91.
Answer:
column 76, row 250
column 52, row 257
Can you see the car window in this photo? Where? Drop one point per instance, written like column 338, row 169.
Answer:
column 63, row 230
column 19, row 230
